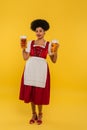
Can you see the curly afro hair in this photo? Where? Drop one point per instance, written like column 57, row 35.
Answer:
column 40, row 23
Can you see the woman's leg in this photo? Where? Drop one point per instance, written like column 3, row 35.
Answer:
column 40, row 109
column 34, row 115
column 39, row 120
column 33, row 107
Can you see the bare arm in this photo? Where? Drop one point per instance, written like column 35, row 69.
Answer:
column 53, row 57
column 25, row 54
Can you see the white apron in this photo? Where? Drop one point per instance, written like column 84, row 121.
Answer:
column 35, row 73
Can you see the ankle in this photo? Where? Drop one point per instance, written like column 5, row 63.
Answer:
column 40, row 116
column 40, row 113
column 34, row 112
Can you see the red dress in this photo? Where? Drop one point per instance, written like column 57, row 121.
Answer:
column 37, row 95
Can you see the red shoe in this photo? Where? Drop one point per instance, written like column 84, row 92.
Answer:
column 39, row 119
column 34, row 118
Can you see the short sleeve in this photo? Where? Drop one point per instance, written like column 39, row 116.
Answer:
column 28, row 47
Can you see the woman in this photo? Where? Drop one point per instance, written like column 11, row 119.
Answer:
column 35, row 83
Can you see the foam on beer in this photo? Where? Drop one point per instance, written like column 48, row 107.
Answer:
column 55, row 41
column 23, row 37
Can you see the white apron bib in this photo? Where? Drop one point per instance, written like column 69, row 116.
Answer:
column 35, row 73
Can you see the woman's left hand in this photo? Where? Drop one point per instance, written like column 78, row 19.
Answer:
column 54, row 50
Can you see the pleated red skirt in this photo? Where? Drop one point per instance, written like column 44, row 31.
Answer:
column 37, row 95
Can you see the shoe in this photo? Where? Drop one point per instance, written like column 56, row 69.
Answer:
column 33, row 119
column 39, row 119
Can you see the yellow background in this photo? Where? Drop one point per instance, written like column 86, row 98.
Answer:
column 68, row 21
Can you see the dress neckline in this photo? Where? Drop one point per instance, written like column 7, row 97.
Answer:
column 40, row 45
